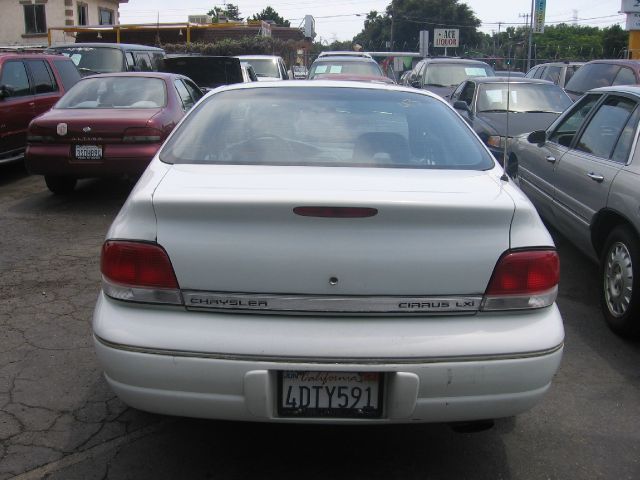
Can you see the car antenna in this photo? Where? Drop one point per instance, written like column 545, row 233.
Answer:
column 505, row 160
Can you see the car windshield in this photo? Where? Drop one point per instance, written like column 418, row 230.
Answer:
column 207, row 72
column 90, row 60
column 337, row 67
column 264, row 67
column 523, row 97
column 322, row 126
column 451, row 75
column 592, row 76
column 115, row 92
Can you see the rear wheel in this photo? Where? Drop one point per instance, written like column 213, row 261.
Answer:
column 620, row 274
column 60, row 185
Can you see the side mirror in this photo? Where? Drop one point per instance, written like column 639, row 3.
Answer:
column 461, row 105
column 539, row 137
column 4, row 92
column 415, row 83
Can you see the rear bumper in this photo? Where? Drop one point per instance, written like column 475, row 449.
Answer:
column 236, row 384
column 117, row 160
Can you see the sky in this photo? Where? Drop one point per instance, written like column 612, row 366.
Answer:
column 343, row 19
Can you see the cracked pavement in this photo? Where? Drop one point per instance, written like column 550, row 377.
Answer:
column 59, row 420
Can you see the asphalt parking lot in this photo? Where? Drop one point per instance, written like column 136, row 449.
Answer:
column 58, row 419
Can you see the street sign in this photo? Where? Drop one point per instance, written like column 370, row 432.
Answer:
column 538, row 15
column 633, row 21
column 446, row 37
column 630, row 6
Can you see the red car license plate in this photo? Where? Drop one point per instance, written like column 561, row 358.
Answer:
column 88, row 152
column 330, row 394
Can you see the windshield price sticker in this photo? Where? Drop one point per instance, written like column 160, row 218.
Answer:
column 330, row 394
column 446, row 37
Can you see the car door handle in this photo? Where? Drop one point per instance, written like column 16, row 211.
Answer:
column 551, row 159
column 595, row 177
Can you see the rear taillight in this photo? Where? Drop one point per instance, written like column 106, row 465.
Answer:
column 523, row 280
column 336, row 212
column 138, row 272
column 142, row 135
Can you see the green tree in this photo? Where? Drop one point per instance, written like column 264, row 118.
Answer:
column 270, row 14
column 614, row 41
column 230, row 11
column 402, row 21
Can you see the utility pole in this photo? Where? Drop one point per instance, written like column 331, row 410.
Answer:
column 528, row 26
column 530, row 37
column 393, row 14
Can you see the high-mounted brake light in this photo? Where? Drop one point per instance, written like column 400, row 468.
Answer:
column 336, row 212
column 139, row 272
column 523, row 280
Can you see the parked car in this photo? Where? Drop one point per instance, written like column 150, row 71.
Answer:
column 557, row 72
column 29, row 85
column 603, row 73
column 207, row 71
column 248, row 73
column 267, row 67
column 491, row 105
column 388, row 274
column 582, row 173
column 442, row 75
column 365, row 67
column 93, row 58
column 344, row 53
column 109, row 124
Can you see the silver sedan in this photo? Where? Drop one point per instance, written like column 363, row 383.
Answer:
column 328, row 252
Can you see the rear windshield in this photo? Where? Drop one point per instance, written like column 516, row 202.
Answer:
column 206, row 71
column 264, row 67
column 116, row 92
column 92, row 60
column 523, row 97
column 336, row 67
column 322, row 126
column 592, row 76
column 452, row 75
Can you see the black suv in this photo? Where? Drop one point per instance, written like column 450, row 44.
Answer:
column 442, row 75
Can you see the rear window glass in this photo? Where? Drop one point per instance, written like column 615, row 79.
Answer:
column 209, row 72
column 592, row 76
column 116, row 92
column 336, row 67
column 91, row 60
column 334, row 127
column 451, row 75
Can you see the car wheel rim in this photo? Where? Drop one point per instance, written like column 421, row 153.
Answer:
column 618, row 279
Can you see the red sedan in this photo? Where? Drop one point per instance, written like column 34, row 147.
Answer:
column 110, row 124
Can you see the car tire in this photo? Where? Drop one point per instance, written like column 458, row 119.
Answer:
column 60, row 185
column 620, row 276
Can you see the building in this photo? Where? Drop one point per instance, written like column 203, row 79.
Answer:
column 26, row 22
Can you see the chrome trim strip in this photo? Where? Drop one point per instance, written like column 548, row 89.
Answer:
column 327, row 360
column 270, row 303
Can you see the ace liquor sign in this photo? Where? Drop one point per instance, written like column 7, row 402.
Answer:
column 446, row 37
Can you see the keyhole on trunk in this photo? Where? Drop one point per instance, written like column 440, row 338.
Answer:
column 333, row 280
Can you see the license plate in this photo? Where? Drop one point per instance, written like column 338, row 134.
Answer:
column 330, row 394
column 88, row 152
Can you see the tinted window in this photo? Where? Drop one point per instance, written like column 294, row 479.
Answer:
column 68, row 73
column 43, row 81
column 605, row 127
column 14, row 78
column 183, row 93
column 209, row 72
column 467, row 93
column 625, row 77
column 143, row 62
column 333, row 127
column 264, row 67
column 532, row 72
column 623, row 147
column 194, row 91
column 571, row 123
column 450, row 75
column 115, row 92
column 131, row 63
column 524, row 97
column 591, row 76
column 571, row 69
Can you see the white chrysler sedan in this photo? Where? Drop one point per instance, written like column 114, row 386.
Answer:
column 328, row 252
